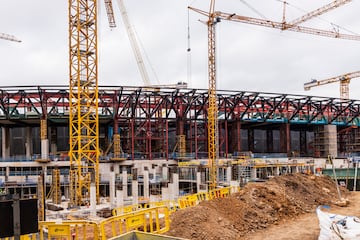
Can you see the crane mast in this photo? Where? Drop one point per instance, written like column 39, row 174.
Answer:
column 212, row 105
column 83, row 101
column 344, row 81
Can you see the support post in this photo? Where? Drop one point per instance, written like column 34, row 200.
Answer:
column 16, row 216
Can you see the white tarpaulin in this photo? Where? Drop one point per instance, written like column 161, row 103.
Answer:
column 337, row 227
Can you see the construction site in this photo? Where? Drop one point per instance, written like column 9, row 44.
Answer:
column 92, row 161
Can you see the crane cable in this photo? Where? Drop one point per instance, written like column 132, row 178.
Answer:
column 253, row 9
column 188, row 49
column 335, row 27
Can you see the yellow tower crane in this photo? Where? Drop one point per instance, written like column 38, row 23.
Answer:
column 213, row 18
column 343, row 79
column 83, row 101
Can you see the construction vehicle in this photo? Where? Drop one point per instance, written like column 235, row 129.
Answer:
column 344, row 81
column 213, row 18
column 9, row 37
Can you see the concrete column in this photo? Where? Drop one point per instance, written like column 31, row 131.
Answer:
column 165, row 172
column 7, row 174
column 125, row 183
column 66, row 192
column 28, row 143
column 175, row 183
column 93, row 200
column 146, row 184
column 44, row 139
column 330, row 139
column 45, row 149
column 119, row 198
column 135, row 191
column 165, row 193
column 5, row 134
column 277, row 171
column 154, row 172
column 253, row 173
column 198, row 181
column 228, row 174
column 112, row 189
column 171, row 192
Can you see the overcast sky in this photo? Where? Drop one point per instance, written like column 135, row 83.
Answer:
column 249, row 57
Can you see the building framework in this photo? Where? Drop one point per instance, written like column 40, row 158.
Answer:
column 151, row 122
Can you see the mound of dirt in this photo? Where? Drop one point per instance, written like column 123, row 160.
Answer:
column 256, row 207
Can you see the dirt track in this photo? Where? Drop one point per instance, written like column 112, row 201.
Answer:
column 281, row 208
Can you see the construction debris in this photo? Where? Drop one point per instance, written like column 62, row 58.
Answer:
column 256, row 207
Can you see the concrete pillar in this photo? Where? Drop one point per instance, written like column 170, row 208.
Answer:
column 5, row 136
column 253, row 173
column 66, row 191
column 7, row 174
column 93, row 200
column 146, row 185
column 154, row 171
column 45, row 149
column 198, row 181
column 277, row 171
column 228, row 174
column 330, row 139
column 112, row 189
column 171, row 192
column 165, row 193
column 125, row 183
column 28, row 143
column 135, row 191
column 175, row 186
column 165, row 172
column 119, row 198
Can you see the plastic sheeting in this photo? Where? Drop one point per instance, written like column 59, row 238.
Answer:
column 337, row 227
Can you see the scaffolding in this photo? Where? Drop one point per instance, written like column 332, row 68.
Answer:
column 325, row 140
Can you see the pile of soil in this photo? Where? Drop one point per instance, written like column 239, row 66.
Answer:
column 256, row 207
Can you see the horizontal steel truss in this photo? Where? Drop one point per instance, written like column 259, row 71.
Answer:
column 125, row 103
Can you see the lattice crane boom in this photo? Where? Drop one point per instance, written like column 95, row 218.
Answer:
column 278, row 25
column 110, row 13
column 317, row 12
column 131, row 35
column 343, row 79
column 9, row 37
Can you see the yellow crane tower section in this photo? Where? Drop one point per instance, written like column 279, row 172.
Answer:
column 213, row 18
column 83, row 101
column 343, row 79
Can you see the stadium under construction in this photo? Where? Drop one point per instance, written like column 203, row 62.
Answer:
column 163, row 132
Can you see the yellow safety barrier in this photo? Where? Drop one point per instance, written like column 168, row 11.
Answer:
column 152, row 220
column 126, row 209
column 72, row 230
column 170, row 204
column 194, row 199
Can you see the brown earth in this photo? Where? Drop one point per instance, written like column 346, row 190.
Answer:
column 281, row 208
